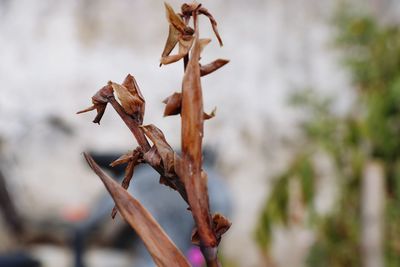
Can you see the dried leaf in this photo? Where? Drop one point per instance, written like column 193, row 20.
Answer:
column 185, row 43
column 220, row 224
column 160, row 246
column 213, row 22
column 209, row 116
column 174, row 19
column 123, row 159
column 152, row 157
column 172, row 40
column 133, row 158
column 133, row 88
column 132, row 104
column 173, row 104
column 163, row 148
column 99, row 100
column 213, row 66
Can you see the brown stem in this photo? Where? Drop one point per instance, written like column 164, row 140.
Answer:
column 133, row 126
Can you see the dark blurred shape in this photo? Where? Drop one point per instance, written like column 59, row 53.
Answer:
column 18, row 259
column 8, row 209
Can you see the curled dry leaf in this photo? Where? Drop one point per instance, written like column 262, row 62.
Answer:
column 187, row 9
column 213, row 66
column 173, row 104
column 99, row 100
column 161, row 248
column 213, row 22
column 180, row 33
column 175, row 20
column 163, row 148
column 185, row 43
column 152, row 157
column 172, row 40
column 132, row 104
column 220, row 224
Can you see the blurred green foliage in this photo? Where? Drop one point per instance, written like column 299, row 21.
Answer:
column 369, row 131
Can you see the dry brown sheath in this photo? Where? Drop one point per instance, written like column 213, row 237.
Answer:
column 192, row 135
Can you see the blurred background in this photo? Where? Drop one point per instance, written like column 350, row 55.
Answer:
column 304, row 151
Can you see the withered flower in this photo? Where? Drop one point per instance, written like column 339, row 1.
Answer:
column 99, row 100
column 130, row 97
column 180, row 33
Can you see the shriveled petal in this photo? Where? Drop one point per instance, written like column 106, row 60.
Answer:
column 172, row 40
column 132, row 104
column 213, row 66
column 163, row 148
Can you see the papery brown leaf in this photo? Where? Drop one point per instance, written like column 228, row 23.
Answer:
column 174, row 19
column 220, row 224
column 213, row 66
column 132, row 104
column 173, row 104
column 172, row 40
column 185, row 43
column 152, row 157
column 163, row 148
column 192, row 133
column 213, row 22
column 161, row 248
column 133, row 88
column 209, row 116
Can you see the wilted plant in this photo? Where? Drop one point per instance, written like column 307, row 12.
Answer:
column 183, row 173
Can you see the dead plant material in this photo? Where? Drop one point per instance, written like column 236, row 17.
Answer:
column 183, row 173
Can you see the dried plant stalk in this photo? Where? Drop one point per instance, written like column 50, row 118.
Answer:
column 182, row 173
